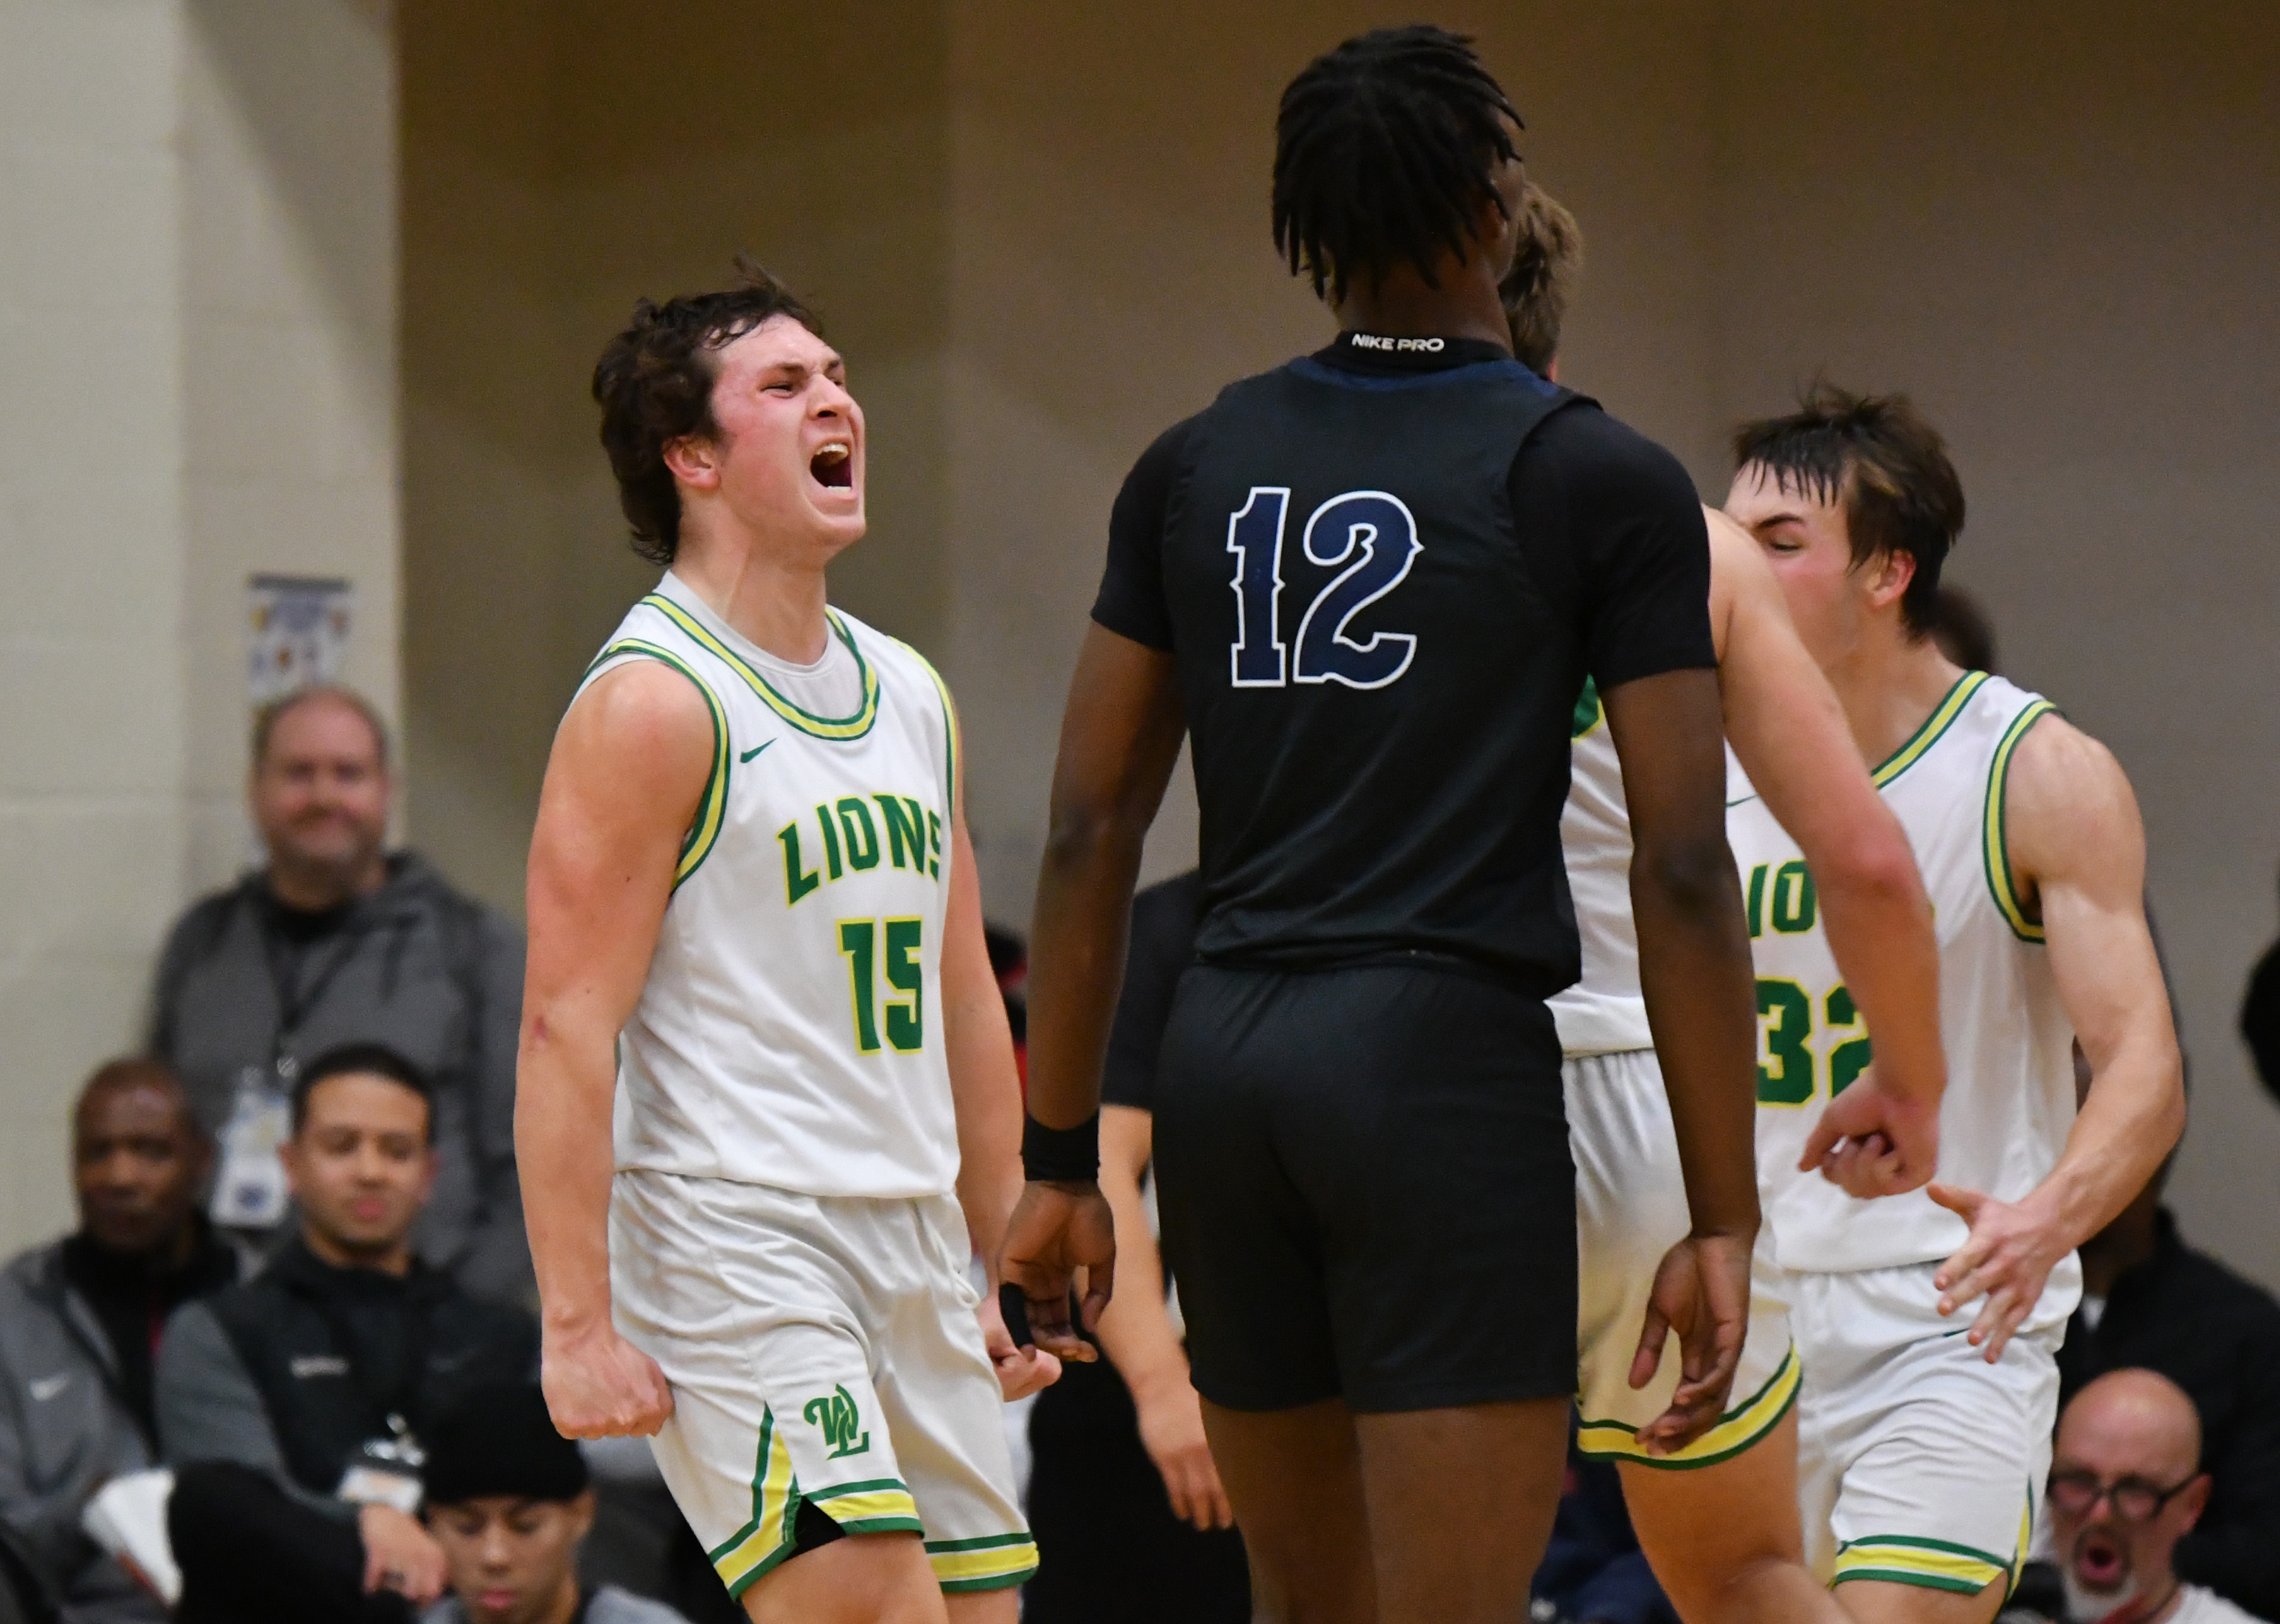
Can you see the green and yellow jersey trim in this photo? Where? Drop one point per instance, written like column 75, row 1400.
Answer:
column 2001, row 882
column 841, row 728
column 713, row 806
column 749, row 1553
column 1942, row 718
column 1735, row 1430
column 995, row 1562
column 949, row 732
column 1931, row 1564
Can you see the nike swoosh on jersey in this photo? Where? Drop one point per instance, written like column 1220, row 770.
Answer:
column 755, row 750
column 48, row 1387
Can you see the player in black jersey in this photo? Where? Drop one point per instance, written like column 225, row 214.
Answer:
column 1369, row 586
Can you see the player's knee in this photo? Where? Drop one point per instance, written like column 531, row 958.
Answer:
column 837, row 1578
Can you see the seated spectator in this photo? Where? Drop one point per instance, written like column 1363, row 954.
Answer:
column 78, row 1324
column 508, row 1502
column 2125, row 1488
column 2149, row 1300
column 1131, row 1521
column 338, row 942
column 292, row 1406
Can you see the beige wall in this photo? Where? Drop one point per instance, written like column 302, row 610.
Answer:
column 196, row 223
column 551, row 174
column 1042, row 234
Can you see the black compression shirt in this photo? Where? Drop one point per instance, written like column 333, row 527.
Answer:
column 1385, row 570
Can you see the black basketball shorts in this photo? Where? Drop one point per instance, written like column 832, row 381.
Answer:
column 1366, row 1189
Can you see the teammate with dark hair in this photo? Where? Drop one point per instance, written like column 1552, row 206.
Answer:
column 1369, row 586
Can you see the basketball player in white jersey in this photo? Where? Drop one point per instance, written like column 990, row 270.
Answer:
column 766, row 1092
column 1717, row 1516
column 1927, row 1323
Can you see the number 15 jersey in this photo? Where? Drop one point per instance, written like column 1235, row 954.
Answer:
column 1383, row 572
column 790, row 1033
column 2010, row 1099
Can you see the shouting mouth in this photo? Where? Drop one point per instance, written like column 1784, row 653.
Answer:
column 2100, row 1562
column 833, row 465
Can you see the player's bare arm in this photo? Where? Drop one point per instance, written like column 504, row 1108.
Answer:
column 1882, row 1135
column 1120, row 737
column 622, row 784
column 1694, row 969
column 985, row 1089
column 1137, row 1335
column 2076, row 846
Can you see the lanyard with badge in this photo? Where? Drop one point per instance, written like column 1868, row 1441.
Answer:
column 249, row 1192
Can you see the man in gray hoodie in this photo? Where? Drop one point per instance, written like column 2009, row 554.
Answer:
column 79, row 1320
column 337, row 941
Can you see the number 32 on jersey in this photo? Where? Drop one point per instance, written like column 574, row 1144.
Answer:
column 1793, row 1068
column 1374, row 536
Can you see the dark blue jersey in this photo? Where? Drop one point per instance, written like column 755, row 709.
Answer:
column 1384, row 575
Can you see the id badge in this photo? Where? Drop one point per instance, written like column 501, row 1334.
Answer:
column 249, row 1192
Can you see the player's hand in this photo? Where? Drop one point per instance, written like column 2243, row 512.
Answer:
column 1702, row 1291
column 1021, row 1371
column 399, row 1555
column 1874, row 1141
column 1056, row 1229
column 598, row 1385
column 1172, row 1431
column 2008, row 1258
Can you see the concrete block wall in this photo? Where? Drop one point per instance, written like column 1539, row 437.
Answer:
column 196, row 299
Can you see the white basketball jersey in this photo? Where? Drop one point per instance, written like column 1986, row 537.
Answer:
column 1603, row 1013
column 2010, row 1098
column 790, row 1033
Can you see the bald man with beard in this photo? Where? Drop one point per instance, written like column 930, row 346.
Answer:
column 2126, row 1485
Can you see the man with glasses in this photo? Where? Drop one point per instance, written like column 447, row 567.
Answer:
column 2125, row 1486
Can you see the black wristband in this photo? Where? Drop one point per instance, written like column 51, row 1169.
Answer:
column 1061, row 1155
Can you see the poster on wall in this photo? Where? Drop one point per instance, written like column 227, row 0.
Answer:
column 299, row 632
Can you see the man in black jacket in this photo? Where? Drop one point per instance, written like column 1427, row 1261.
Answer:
column 292, row 1406
column 337, row 941
column 2150, row 1300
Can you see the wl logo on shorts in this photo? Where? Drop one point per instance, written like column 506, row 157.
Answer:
column 840, row 1422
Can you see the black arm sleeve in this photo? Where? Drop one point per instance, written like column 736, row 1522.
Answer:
column 1163, row 944
column 1131, row 603
column 1640, row 546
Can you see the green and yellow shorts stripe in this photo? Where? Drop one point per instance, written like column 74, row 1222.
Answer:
column 992, row 1563
column 1735, row 1430
column 1935, row 1563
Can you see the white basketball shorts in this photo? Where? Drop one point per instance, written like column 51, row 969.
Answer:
column 1918, row 1461
column 1631, row 1209
column 820, row 1349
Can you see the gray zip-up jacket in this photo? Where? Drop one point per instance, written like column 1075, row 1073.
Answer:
column 417, row 966
column 64, row 1432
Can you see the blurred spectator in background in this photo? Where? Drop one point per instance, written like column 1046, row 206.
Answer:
column 293, row 1407
column 1962, row 630
column 79, row 1319
column 1593, row 1570
column 508, row 1503
column 1131, row 1523
column 2259, row 1018
column 2125, row 1491
column 334, row 942
column 2149, row 1300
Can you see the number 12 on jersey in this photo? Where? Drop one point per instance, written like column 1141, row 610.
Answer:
column 902, row 967
column 1373, row 530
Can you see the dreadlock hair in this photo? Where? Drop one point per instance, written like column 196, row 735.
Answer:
column 654, row 384
column 1385, row 152
column 1544, row 267
column 1881, row 460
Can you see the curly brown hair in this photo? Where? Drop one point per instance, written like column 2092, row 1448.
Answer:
column 1542, row 280
column 654, row 384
